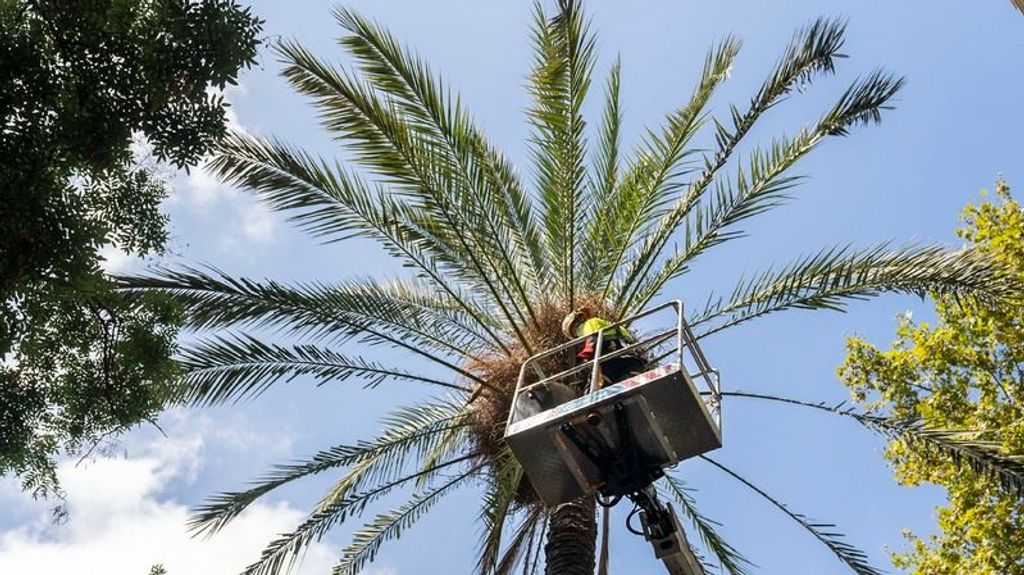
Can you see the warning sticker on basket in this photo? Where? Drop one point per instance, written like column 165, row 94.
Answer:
column 591, row 398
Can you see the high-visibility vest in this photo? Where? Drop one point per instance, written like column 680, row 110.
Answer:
column 596, row 324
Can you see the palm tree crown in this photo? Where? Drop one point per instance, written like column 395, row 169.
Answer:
column 497, row 263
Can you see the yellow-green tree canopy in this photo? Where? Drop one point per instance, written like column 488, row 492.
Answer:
column 966, row 372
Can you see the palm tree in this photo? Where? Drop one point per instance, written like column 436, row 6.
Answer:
column 496, row 264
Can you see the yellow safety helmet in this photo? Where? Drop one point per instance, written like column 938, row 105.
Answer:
column 569, row 322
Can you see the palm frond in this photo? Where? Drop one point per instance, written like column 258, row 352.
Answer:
column 862, row 103
column 532, row 567
column 812, row 51
column 374, row 129
column 411, row 430
column 447, row 314
column 433, row 110
column 853, row 557
column 605, row 175
column 519, row 548
column 763, row 185
column 234, row 368
column 960, row 446
column 385, row 465
column 495, row 508
column 563, row 61
column 725, row 554
column 832, row 277
column 450, row 442
column 390, row 525
column 417, row 166
column 328, row 202
column 322, row 198
column 282, row 552
column 215, row 300
column 622, row 216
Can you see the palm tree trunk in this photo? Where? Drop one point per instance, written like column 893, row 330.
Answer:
column 572, row 539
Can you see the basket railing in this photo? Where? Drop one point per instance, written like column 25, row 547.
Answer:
column 684, row 346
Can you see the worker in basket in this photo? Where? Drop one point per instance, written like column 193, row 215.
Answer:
column 582, row 323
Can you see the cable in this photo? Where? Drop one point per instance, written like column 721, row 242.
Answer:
column 629, row 522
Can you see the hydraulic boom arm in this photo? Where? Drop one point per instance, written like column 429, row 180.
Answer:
column 661, row 528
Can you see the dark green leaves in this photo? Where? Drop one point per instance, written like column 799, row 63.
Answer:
column 80, row 81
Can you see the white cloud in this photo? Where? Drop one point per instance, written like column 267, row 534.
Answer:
column 115, row 260
column 231, row 115
column 200, row 190
column 240, row 221
column 230, row 431
column 257, row 222
column 122, row 520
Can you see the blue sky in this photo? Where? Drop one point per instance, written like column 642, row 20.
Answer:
column 956, row 127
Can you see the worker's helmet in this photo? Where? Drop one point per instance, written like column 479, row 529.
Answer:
column 570, row 322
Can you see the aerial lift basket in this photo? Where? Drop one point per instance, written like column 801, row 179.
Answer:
column 646, row 422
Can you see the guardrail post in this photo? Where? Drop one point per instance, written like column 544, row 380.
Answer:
column 596, row 373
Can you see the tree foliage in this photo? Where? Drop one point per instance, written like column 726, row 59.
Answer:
column 79, row 83
column 496, row 260
column 963, row 374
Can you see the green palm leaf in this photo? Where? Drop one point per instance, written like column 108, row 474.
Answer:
column 813, row 50
column 623, row 214
column 228, row 369
column 963, row 446
column 433, row 110
column 763, row 184
column 854, row 558
column 214, row 300
column 605, row 176
column 411, row 430
column 495, row 509
column 563, row 61
column 390, row 525
column 832, row 277
column 730, row 560
column 283, row 551
column 603, row 179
